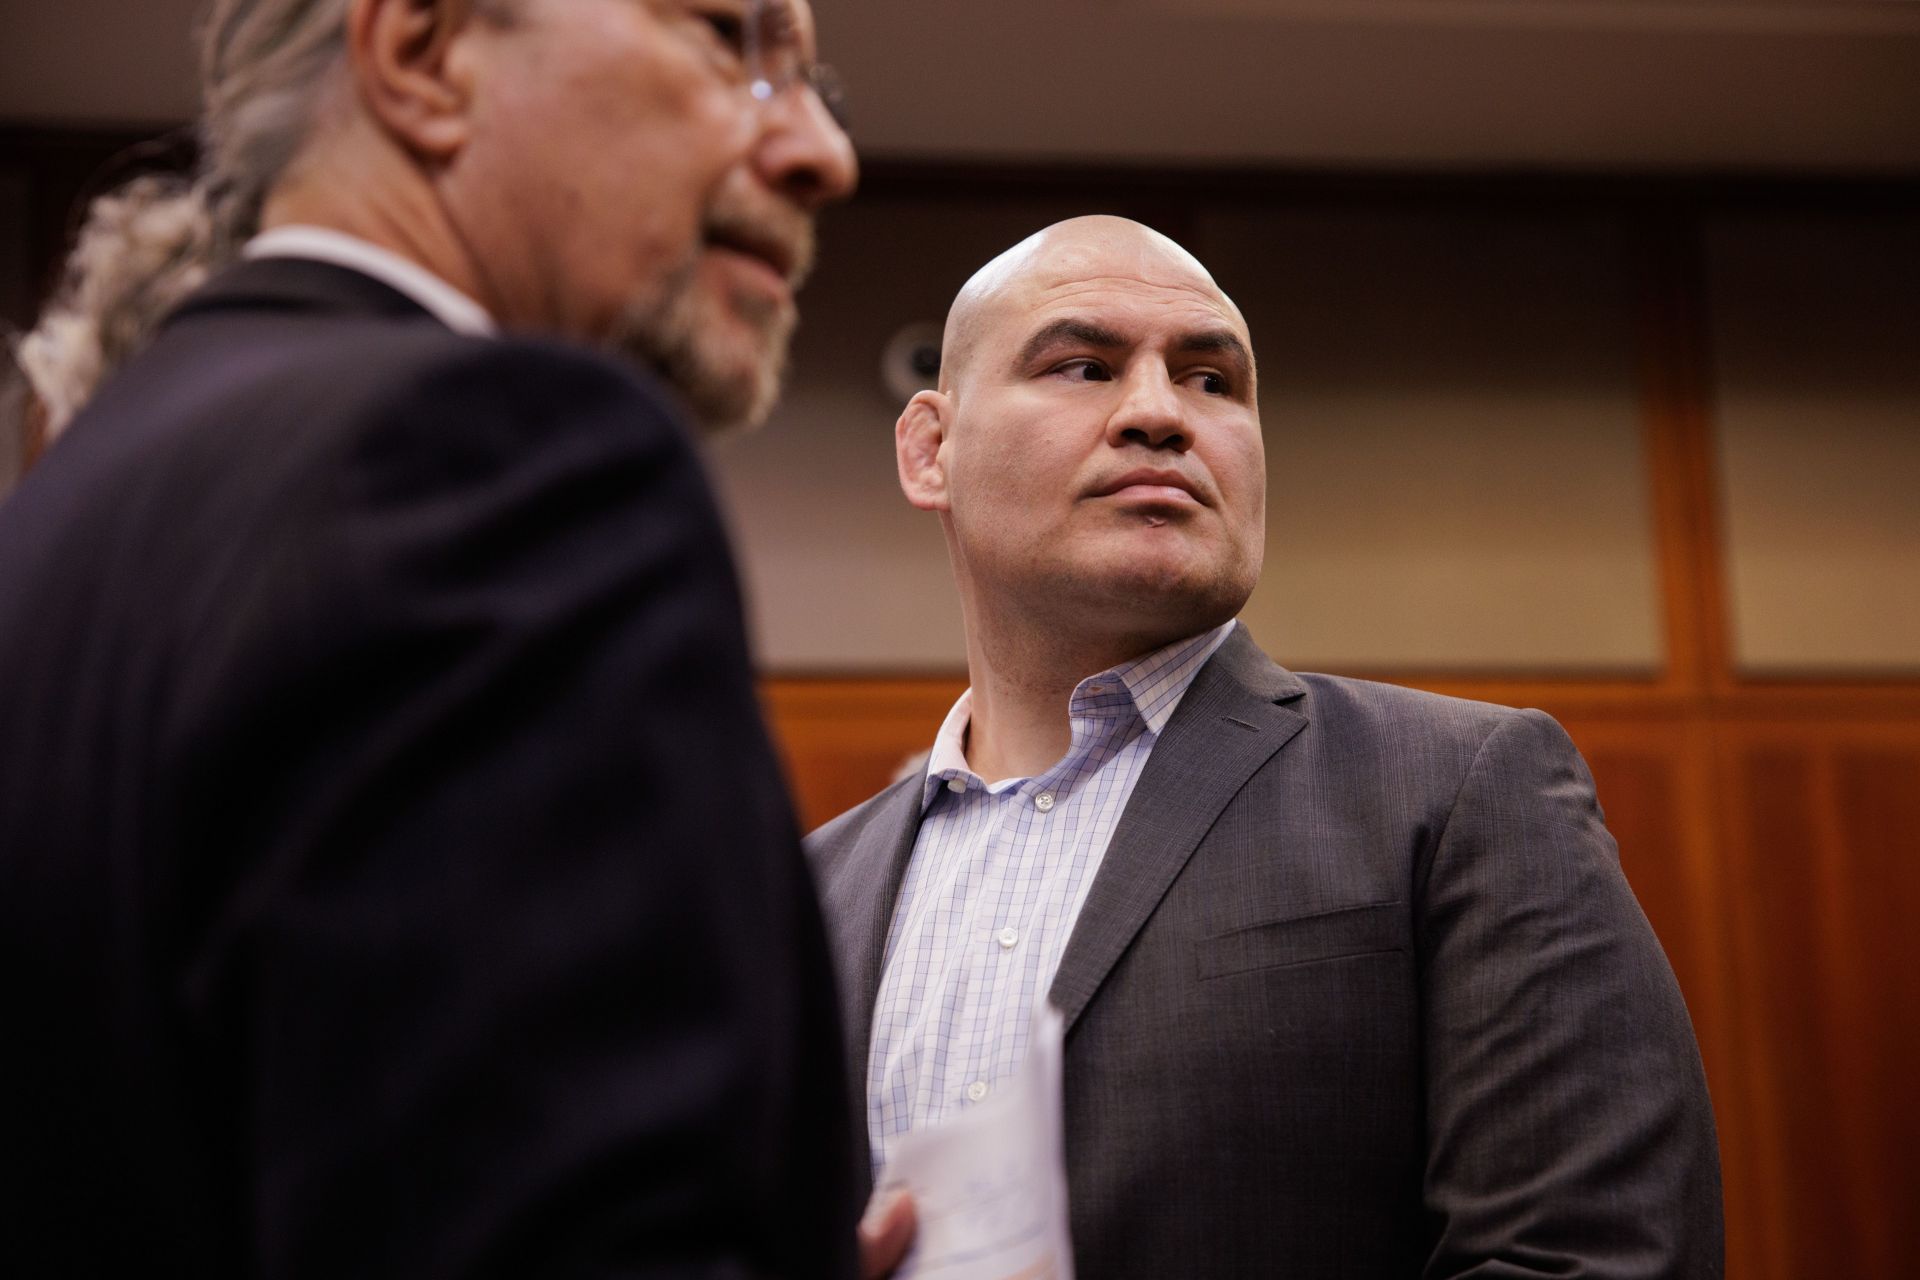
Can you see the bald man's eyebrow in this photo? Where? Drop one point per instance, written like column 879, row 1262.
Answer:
column 1220, row 342
column 1086, row 333
column 1072, row 332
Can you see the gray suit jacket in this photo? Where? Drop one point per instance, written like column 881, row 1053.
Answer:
column 1359, row 991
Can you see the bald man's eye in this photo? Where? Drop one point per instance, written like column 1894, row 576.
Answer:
column 1084, row 371
column 1214, row 384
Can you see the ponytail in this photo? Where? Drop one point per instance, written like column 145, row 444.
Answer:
column 141, row 250
column 265, row 65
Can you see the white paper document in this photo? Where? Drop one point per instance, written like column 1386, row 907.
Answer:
column 990, row 1185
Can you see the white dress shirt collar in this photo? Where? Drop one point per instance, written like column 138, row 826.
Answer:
column 323, row 244
column 1156, row 682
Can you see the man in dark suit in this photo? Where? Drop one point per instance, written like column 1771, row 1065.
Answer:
column 395, row 876
column 1352, row 982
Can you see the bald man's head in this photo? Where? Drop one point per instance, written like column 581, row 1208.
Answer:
column 1078, row 250
column 1094, row 447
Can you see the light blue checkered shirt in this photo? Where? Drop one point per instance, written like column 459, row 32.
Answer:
column 997, row 878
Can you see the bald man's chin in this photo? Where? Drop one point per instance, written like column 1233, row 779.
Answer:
column 1133, row 604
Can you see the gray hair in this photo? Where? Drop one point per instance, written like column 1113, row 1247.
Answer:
column 265, row 66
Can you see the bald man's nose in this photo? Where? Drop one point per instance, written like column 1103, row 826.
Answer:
column 1150, row 412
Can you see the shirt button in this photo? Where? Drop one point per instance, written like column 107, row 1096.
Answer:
column 1044, row 802
column 977, row 1090
column 956, row 784
column 1009, row 938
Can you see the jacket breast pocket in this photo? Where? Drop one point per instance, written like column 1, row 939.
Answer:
column 1378, row 928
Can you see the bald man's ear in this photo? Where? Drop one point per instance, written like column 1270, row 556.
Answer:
column 919, row 446
column 405, row 68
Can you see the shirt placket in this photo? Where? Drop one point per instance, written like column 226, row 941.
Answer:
column 969, row 1075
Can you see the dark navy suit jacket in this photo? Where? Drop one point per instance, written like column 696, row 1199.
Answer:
column 395, row 875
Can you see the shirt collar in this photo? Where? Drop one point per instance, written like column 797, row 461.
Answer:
column 1154, row 682
column 323, row 244
column 949, row 756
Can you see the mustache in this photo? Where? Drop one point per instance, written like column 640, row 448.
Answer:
column 772, row 230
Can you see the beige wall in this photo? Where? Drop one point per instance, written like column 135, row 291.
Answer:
column 1817, row 358
column 1454, row 461
column 1455, row 472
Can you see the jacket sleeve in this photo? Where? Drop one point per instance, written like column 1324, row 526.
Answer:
column 521, row 973
column 1568, row 1126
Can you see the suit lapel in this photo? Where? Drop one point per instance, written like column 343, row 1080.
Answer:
column 862, row 892
column 1229, row 724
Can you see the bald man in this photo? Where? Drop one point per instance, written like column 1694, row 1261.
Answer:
column 1352, row 981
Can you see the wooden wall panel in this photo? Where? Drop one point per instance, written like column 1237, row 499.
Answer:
column 1823, row 881
column 1654, row 776
column 1647, row 773
column 1876, row 794
column 844, row 739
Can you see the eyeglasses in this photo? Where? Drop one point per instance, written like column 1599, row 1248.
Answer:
column 776, row 61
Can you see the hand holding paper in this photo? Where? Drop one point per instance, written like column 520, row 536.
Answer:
column 990, row 1187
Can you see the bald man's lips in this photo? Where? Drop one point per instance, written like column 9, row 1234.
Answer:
column 1151, row 485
